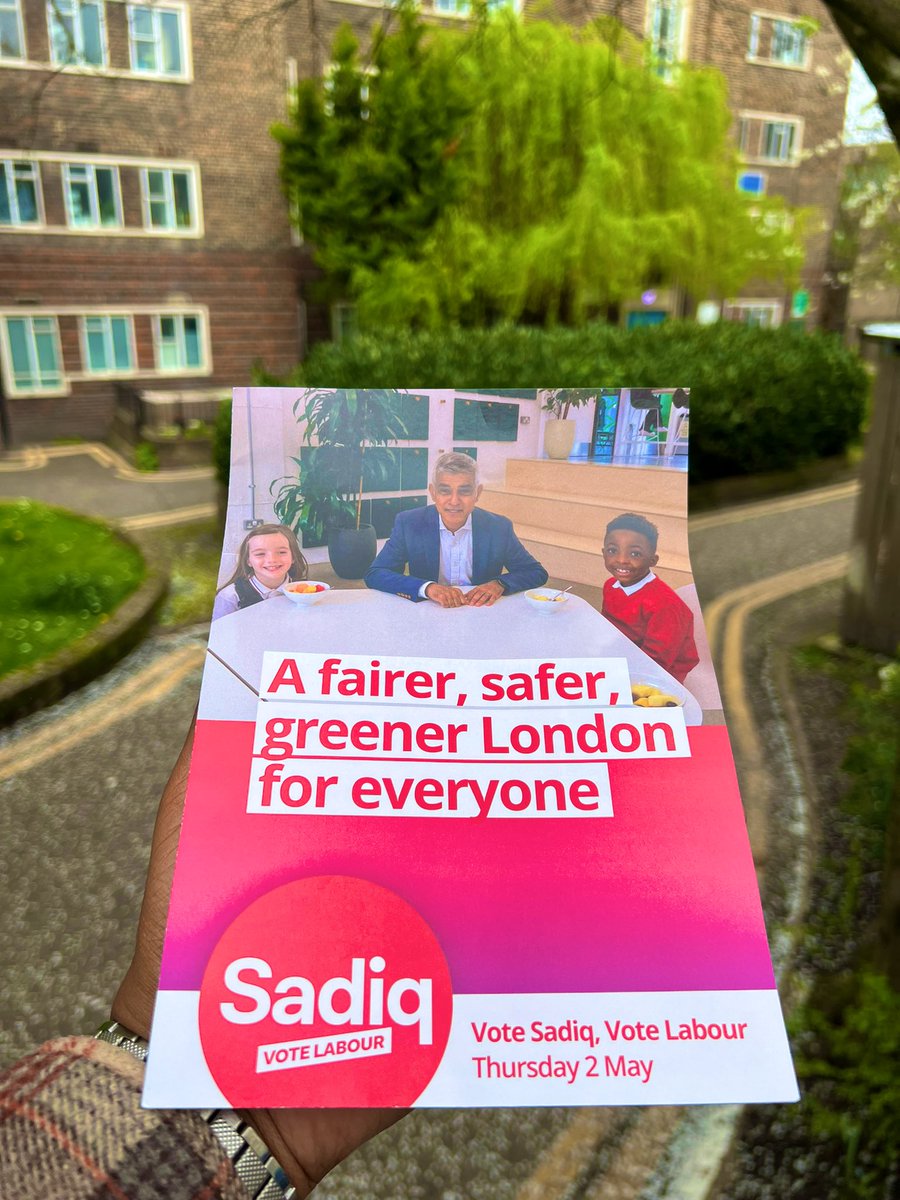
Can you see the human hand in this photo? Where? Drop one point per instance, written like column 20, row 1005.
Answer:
column 445, row 596
column 307, row 1142
column 484, row 594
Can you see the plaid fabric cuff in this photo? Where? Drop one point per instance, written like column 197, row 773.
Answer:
column 72, row 1128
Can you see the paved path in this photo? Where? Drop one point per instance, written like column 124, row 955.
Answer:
column 94, row 480
column 80, row 784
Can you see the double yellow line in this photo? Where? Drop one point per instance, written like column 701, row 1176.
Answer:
column 149, row 685
column 725, row 619
column 35, row 458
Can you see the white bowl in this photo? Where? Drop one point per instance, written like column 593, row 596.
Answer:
column 546, row 599
column 305, row 599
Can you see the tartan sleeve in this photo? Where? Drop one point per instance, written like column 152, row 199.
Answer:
column 72, row 1128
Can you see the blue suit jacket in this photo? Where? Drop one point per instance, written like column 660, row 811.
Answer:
column 415, row 543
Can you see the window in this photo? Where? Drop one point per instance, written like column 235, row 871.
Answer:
column 483, row 421
column 769, row 139
column 788, row 43
column 12, row 35
column 350, row 100
column 20, row 190
column 665, row 33
column 168, row 199
column 76, row 32
column 344, row 321
column 777, row 140
column 462, row 8
column 759, row 313
column 156, row 39
column 33, row 349
column 108, row 345
column 178, row 343
column 92, row 196
column 754, row 183
column 778, row 40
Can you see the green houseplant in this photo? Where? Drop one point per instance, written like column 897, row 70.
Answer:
column 559, row 431
column 324, row 499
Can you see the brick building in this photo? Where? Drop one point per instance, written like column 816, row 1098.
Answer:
column 787, row 71
column 144, row 239
column 143, row 234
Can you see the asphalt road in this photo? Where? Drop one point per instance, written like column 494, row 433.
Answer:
column 79, row 785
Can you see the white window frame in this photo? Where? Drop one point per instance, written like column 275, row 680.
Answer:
column 106, row 319
column 91, row 169
column 664, row 67
column 14, row 6
column 10, row 164
column 328, row 73
column 171, row 228
column 344, row 320
column 156, row 11
column 758, row 121
column 750, row 304
column 77, row 7
column 6, row 358
column 463, row 9
column 83, row 374
column 118, row 164
column 757, row 18
column 179, row 316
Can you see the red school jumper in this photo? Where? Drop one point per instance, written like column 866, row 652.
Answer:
column 657, row 620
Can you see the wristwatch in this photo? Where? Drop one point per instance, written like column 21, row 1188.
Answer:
column 257, row 1168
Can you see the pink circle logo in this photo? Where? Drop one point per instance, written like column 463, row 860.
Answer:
column 328, row 992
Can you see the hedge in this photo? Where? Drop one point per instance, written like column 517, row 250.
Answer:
column 761, row 399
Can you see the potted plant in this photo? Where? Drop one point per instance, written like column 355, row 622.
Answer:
column 559, row 430
column 325, row 498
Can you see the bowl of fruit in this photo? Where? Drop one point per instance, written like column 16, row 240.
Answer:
column 655, row 691
column 546, row 599
column 306, row 592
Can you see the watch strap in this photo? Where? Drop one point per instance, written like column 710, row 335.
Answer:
column 117, row 1035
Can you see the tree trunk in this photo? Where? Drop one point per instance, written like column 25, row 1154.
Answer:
column 871, row 28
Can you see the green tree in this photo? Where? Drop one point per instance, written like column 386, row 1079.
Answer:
column 545, row 173
column 367, row 156
column 866, row 243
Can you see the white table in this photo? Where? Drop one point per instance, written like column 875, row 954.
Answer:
column 357, row 621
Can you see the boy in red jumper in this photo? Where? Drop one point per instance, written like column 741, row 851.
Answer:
column 645, row 609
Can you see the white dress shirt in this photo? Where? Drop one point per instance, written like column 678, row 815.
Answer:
column 456, row 556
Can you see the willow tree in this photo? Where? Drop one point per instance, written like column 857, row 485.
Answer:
column 567, row 177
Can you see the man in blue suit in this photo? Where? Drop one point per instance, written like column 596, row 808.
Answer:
column 452, row 544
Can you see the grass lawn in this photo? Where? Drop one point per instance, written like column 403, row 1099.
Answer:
column 190, row 555
column 61, row 575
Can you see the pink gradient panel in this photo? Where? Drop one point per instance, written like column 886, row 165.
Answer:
column 660, row 897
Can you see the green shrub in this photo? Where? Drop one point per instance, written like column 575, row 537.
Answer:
column 848, row 1032
column 60, row 576
column 145, row 457
column 761, row 399
column 858, row 1098
column 221, row 442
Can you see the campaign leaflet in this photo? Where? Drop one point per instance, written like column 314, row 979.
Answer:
column 462, row 826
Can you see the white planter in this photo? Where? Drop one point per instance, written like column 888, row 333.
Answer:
column 559, row 438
